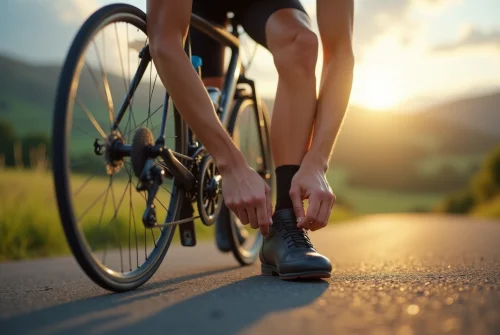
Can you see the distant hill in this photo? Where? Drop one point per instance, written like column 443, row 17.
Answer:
column 27, row 94
column 435, row 150
column 480, row 113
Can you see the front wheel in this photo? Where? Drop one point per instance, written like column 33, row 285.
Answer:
column 99, row 205
column 249, row 129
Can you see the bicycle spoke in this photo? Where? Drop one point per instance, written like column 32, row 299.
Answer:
column 135, row 227
column 102, row 210
column 116, row 210
column 90, row 207
column 142, row 123
column 96, row 82
column 83, row 185
column 121, row 60
column 166, row 190
column 83, row 131
column 107, row 90
column 91, row 118
column 116, row 221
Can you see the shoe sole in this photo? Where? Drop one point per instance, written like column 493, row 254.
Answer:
column 269, row 270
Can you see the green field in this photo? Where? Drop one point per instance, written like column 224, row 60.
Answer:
column 368, row 201
column 30, row 225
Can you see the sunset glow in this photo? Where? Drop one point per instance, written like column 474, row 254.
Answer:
column 377, row 90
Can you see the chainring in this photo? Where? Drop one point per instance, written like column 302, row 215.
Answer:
column 209, row 195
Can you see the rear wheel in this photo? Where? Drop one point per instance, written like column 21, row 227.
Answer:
column 250, row 133
column 100, row 208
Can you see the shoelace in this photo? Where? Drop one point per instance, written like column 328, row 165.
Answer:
column 294, row 236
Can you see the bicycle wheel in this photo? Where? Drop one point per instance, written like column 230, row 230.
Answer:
column 100, row 211
column 250, row 132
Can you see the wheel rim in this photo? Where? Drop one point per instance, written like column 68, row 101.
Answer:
column 136, row 247
column 245, row 136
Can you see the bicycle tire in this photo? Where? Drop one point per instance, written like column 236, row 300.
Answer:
column 248, row 257
column 63, row 111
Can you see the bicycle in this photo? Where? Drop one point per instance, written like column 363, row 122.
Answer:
column 126, row 152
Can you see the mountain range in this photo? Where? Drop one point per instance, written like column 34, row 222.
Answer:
column 433, row 150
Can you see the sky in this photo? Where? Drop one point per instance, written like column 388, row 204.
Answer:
column 408, row 53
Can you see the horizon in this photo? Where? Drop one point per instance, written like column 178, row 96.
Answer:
column 400, row 109
column 410, row 54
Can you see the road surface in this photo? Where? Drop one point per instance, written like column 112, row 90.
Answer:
column 394, row 274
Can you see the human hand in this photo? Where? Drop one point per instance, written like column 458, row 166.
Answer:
column 310, row 183
column 248, row 196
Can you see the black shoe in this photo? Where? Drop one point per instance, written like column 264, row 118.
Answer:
column 222, row 233
column 289, row 253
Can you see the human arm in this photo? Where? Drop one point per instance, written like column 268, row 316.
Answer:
column 335, row 23
column 245, row 192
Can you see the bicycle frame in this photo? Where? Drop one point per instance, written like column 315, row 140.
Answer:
column 233, row 76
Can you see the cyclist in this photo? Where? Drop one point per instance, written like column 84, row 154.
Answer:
column 301, row 155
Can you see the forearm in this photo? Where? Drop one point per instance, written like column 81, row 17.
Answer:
column 190, row 97
column 333, row 98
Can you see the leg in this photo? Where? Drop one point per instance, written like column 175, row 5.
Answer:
column 288, row 250
column 294, row 47
column 286, row 33
column 295, row 50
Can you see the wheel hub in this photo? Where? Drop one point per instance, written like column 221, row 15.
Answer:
column 114, row 161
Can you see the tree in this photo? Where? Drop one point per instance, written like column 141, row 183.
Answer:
column 35, row 141
column 8, row 138
column 459, row 203
column 483, row 187
column 486, row 183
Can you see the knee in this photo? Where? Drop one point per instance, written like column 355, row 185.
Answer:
column 297, row 54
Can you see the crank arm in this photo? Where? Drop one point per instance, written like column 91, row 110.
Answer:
column 182, row 176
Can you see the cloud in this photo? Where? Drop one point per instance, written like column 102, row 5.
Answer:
column 46, row 30
column 374, row 19
column 473, row 38
column 74, row 10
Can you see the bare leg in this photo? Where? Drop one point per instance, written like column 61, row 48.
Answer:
column 295, row 49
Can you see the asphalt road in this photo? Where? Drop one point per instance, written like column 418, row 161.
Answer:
column 394, row 274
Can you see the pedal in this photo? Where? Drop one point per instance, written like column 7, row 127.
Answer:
column 186, row 230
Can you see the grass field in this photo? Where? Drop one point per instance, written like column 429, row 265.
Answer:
column 30, row 226
column 490, row 209
column 368, row 201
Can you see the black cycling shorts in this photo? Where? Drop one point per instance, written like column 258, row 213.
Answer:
column 252, row 15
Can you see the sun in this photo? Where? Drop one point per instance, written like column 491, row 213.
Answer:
column 377, row 90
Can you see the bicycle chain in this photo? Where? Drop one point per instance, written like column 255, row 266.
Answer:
column 173, row 223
